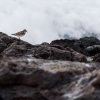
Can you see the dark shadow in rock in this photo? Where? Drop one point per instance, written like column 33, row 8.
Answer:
column 93, row 50
column 96, row 58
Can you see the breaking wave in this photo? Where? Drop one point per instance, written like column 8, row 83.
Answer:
column 47, row 20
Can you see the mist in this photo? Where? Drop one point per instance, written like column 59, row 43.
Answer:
column 46, row 20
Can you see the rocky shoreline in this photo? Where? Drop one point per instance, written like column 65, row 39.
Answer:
column 62, row 70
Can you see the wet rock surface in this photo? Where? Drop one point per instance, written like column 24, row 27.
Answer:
column 60, row 70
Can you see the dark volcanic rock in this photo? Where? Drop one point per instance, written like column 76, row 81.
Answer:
column 96, row 58
column 3, row 46
column 78, row 57
column 59, row 47
column 83, row 43
column 20, row 72
column 19, row 80
column 63, row 42
column 89, row 41
column 77, row 45
column 23, row 77
column 12, row 47
column 45, row 80
column 42, row 52
column 17, row 49
column 93, row 50
column 93, row 90
column 6, row 39
column 58, row 53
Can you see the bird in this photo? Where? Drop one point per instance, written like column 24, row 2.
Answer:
column 20, row 34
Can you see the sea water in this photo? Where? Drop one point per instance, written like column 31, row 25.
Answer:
column 46, row 20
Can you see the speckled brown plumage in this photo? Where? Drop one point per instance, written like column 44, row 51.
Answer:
column 20, row 34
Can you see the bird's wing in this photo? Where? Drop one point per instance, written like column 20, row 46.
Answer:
column 18, row 33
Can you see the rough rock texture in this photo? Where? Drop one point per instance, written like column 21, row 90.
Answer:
column 93, row 50
column 54, row 53
column 61, row 70
column 96, row 58
column 17, row 48
column 33, row 79
column 77, row 45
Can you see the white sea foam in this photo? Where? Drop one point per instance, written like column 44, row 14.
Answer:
column 47, row 20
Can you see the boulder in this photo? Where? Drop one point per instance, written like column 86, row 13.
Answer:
column 36, row 79
column 93, row 50
column 63, row 42
column 81, row 44
column 79, row 57
column 89, row 41
column 92, row 91
column 46, row 52
column 65, row 74
column 77, row 45
column 57, row 52
column 17, row 49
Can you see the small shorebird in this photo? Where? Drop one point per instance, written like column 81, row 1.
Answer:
column 20, row 34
